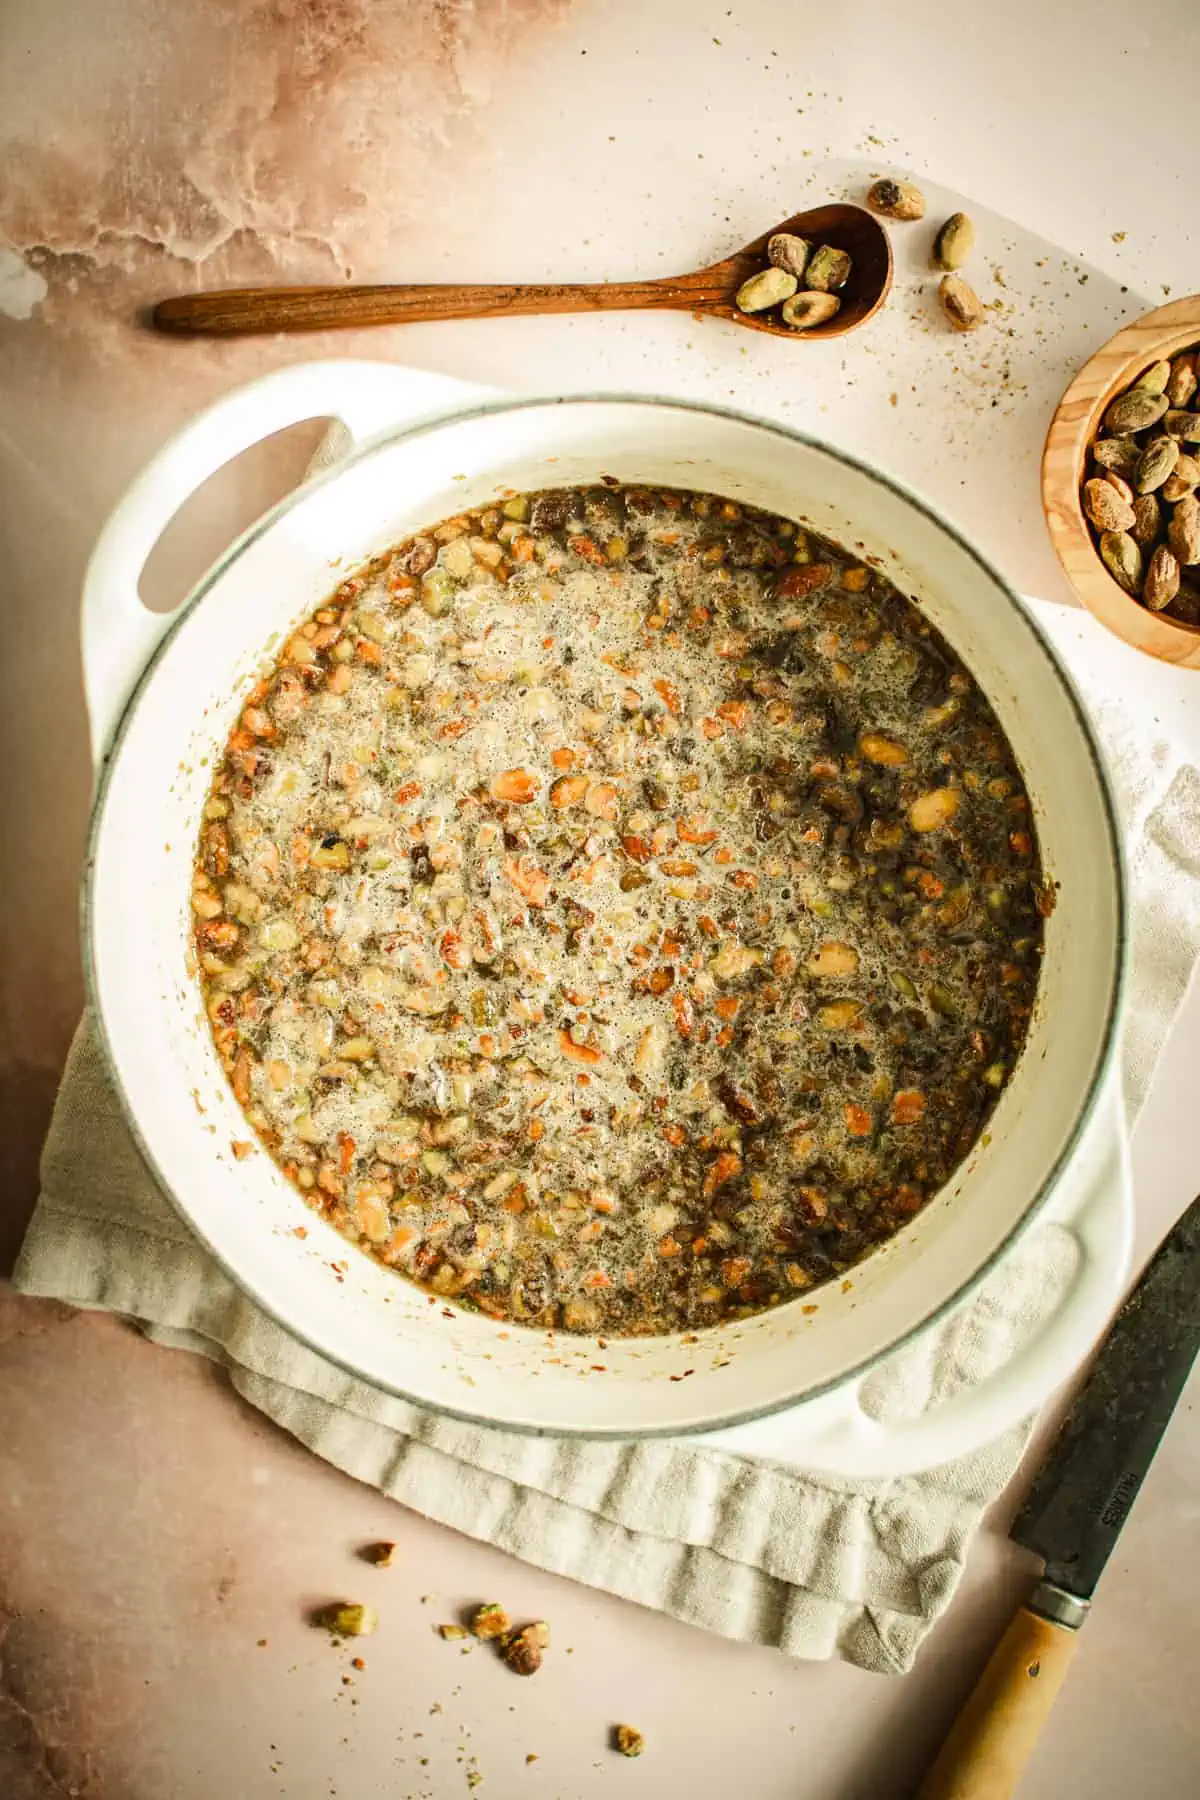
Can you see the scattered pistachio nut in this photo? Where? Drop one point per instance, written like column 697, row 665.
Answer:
column 452, row 1633
column 897, row 199
column 960, row 303
column 1106, row 508
column 787, row 251
column 1182, row 381
column 1135, row 411
column 1154, row 380
column 803, row 311
column 828, row 269
column 347, row 1619
column 628, row 1740
column 490, row 1621
column 1156, row 462
column 1162, row 579
column 1123, row 559
column 1179, row 423
column 954, row 242
column 383, row 1554
column 522, row 1651
column 767, row 289
column 1147, row 521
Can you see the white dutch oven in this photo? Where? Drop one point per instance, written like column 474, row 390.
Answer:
column 164, row 692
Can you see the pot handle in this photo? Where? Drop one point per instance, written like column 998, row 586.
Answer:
column 119, row 633
column 834, row 1435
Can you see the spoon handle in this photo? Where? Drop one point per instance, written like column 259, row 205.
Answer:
column 235, row 311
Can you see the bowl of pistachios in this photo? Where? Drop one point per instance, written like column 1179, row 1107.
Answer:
column 1121, row 483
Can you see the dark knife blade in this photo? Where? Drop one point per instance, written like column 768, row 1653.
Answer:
column 1084, row 1490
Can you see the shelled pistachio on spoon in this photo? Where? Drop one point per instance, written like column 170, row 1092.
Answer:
column 791, row 261
column 1139, row 494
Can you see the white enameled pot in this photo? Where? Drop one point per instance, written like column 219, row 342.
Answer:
column 164, row 692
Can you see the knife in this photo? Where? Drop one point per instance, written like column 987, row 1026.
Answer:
column 1072, row 1519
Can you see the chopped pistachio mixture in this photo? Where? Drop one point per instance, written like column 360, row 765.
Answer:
column 618, row 910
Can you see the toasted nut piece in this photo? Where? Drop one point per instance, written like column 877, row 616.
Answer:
column 568, row 791
column 529, row 879
column 954, row 242
column 907, row 1106
column 628, row 1740
column 522, row 1651
column 1156, row 462
column 1134, row 411
column 840, row 1015
column 1181, row 383
column 1105, row 507
column 828, row 269
column 1154, row 380
column 960, row 303
column 803, row 311
column 1162, row 579
column 935, row 809
column 383, row 1554
column 1184, row 477
column 516, row 785
column 1117, row 453
column 897, row 199
column 765, row 289
column 883, row 750
column 1123, row 559
column 833, row 959
column 346, row 1619
column 452, row 1633
column 600, row 800
column 490, row 1621
column 1147, row 521
column 1183, row 533
column 786, row 251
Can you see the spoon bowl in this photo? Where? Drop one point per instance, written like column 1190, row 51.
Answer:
column 238, row 311
column 849, row 228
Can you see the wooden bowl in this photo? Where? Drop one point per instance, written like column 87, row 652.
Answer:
column 1161, row 334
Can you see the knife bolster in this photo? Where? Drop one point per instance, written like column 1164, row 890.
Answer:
column 1049, row 1601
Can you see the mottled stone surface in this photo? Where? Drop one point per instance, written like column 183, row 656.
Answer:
column 152, row 1529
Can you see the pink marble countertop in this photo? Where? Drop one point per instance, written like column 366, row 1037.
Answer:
column 160, row 1542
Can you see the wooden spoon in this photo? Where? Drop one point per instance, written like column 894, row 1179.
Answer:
column 238, row 310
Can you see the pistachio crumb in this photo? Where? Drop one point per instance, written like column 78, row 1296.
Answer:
column 628, row 1740
column 490, row 1621
column 347, row 1619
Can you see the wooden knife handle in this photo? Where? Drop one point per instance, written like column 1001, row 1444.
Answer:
column 996, row 1732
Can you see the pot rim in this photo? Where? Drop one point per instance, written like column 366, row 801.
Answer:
column 1106, row 1052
